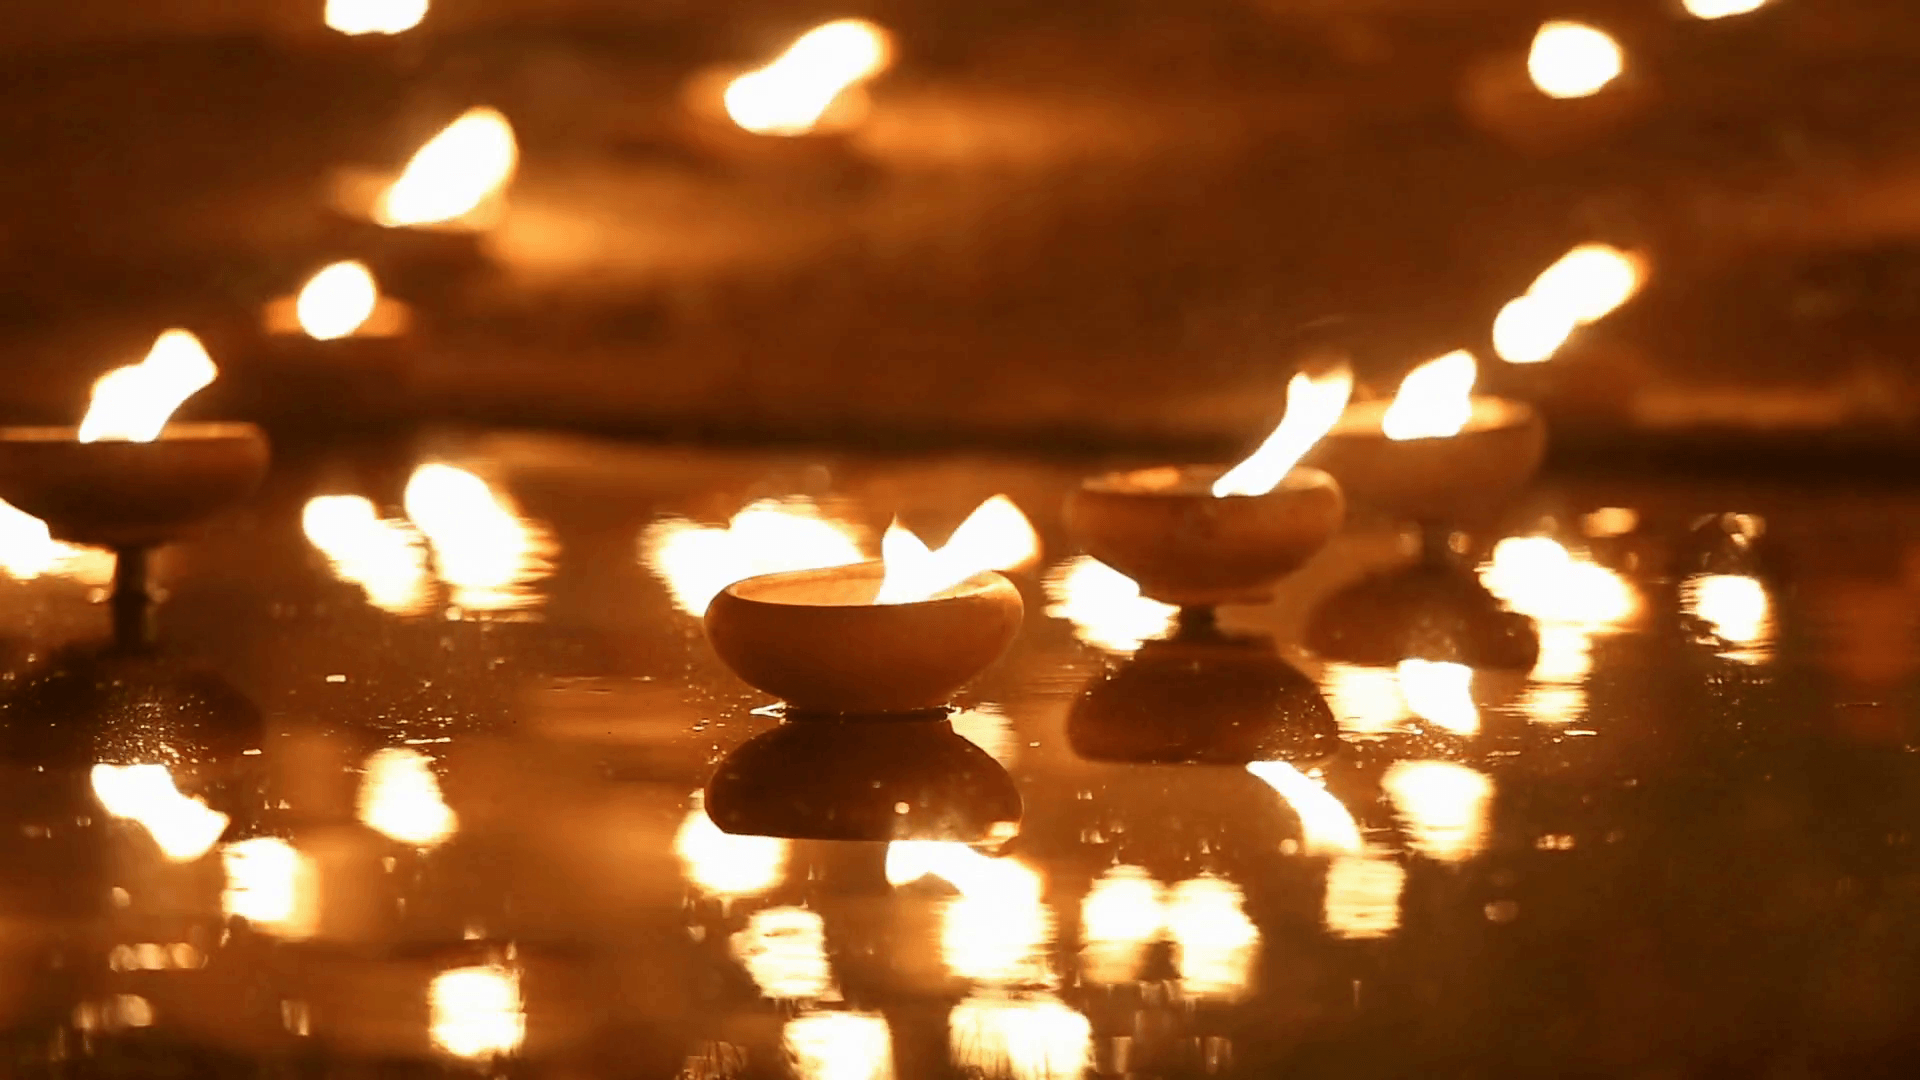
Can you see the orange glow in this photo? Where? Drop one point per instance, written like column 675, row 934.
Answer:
column 784, row 950
column 1443, row 807
column 839, row 1046
column 1363, row 896
column 271, row 885
column 336, row 301
column 400, row 798
column 1575, row 600
column 769, row 537
column 997, row 928
column 792, row 94
column 132, row 403
column 1326, row 828
column 1582, row 287
column 476, row 1012
column 1530, row 329
column 1737, row 608
column 28, row 550
column 385, row 558
column 183, row 828
column 1105, row 605
column 725, row 865
column 1314, row 405
column 1720, row 9
column 996, row 536
column 357, row 17
column 487, row 554
column 455, row 173
column 1028, row 1037
column 1573, row 60
column 1440, row 692
column 1434, row 400
column 1119, row 917
column 1214, row 942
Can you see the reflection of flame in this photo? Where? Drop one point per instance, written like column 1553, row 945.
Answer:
column 768, row 537
column 385, row 558
column 469, row 162
column 1737, row 608
column 788, row 96
column 477, row 1011
column 989, row 729
column 1365, row 700
column 1584, row 286
column 28, row 550
column 723, row 864
column 1442, row 805
column 839, row 1046
column 358, row 17
column 132, row 403
column 784, row 949
column 483, row 550
column 1573, row 60
column 183, row 827
column 1105, row 605
column 996, row 536
column 400, row 797
column 271, row 885
column 1214, row 941
column 1720, row 9
column 1120, row 916
column 1314, row 404
column 1031, row 1037
column 994, row 930
column 1574, row 599
column 336, row 301
column 1363, row 895
column 1440, row 692
column 1434, row 400
column 1326, row 828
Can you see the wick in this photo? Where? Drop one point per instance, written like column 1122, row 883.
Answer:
column 134, row 628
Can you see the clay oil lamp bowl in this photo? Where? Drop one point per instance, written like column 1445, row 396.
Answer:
column 797, row 110
column 337, row 349
column 895, row 636
column 1437, row 454
column 128, row 480
column 1200, row 536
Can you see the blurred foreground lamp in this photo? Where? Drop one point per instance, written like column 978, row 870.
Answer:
column 812, row 94
column 451, row 193
column 336, row 348
column 129, row 480
column 1198, row 536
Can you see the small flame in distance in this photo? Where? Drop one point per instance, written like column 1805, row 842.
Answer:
column 337, row 301
column 789, row 96
column 1583, row 286
column 1314, row 405
column 357, row 17
column 133, row 403
column 458, row 170
column 1573, row 60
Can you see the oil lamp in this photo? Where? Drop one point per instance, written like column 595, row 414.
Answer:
column 800, row 105
column 894, row 636
column 1572, row 84
column 337, row 348
column 127, row 479
column 1198, row 536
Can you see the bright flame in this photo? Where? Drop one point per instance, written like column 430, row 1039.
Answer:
column 336, row 301
column 1031, row 1037
column 1585, row 285
column 1720, row 9
column 1366, row 701
column 725, row 865
column 133, row 403
column 768, row 537
column 1326, row 827
column 784, row 950
column 1573, row 60
column 789, row 96
column 271, row 885
column 1434, row 401
column 1440, row 692
column 1738, row 609
column 28, row 550
column 1530, row 329
column 839, row 1046
column 1314, row 404
column 384, row 558
column 1214, row 942
column 1574, row 599
column 400, row 798
column 183, row 827
column 483, row 550
column 356, row 17
column 996, row 536
column 996, row 929
column 1105, row 605
column 1442, row 805
column 477, row 1011
column 1363, row 896
column 454, row 173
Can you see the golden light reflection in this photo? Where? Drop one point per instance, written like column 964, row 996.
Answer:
column 1583, row 286
column 1574, row 600
column 1737, row 608
column 133, row 403
column 1434, row 400
column 1573, row 60
column 1214, row 942
column 386, row 558
column 357, row 17
column 455, row 174
column 1363, row 895
column 996, row 536
column 477, row 1012
column 1120, row 916
column 1326, row 827
column 839, row 1046
column 989, row 729
column 792, row 94
column 1443, row 807
column 485, row 552
column 725, row 865
column 28, row 550
column 784, row 950
column 271, row 885
column 1720, row 9
column 1314, row 405
column 400, row 798
column 1440, row 692
column 1366, row 701
column 1105, row 605
column 183, row 827
column 1026, row 1037
column 768, row 537
column 336, row 301
column 996, row 930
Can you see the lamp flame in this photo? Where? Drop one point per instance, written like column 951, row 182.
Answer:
column 357, row 17
column 183, row 827
column 133, row 403
column 1326, row 826
column 1720, row 9
column 790, row 95
column 1573, row 60
column 454, row 173
column 1434, row 401
column 1314, row 404
column 477, row 1012
column 1583, row 286
column 271, row 885
column 770, row 536
column 337, row 301
column 400, row 798
column 996, row 536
